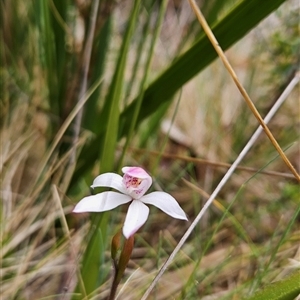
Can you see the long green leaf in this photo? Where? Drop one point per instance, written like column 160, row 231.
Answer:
column 59, row 13
column 48, row 55
column 245, row 16
column 286, row 289
column 91, row 112
column 144, row 80
column 111, row 110
column 233, row 27
column 93, row 259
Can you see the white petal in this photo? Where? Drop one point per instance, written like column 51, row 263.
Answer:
column 111, row 180
column 101, row 202
column 166, row 203
column 136, row 216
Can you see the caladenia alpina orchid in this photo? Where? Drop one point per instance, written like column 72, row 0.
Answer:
column 132, row 188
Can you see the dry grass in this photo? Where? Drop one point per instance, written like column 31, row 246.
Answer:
column 37, row 258
column 223, row 257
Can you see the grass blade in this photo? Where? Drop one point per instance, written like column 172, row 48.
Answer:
column 245, row 16
column 236, row 24
column 96, row 246
column 217, row 190
column 245, row 95
column 286, row 289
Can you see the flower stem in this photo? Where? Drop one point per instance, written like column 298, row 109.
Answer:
column 114, row 288
column 120, row 266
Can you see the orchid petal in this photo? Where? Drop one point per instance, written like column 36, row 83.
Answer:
column 101, row 202
column 136, row 216
column 111, row 180
column 166, row 203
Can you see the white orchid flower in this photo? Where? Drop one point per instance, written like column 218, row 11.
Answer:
column 133, row 185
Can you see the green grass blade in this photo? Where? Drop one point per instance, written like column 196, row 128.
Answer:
column 93, row 259
column 229, row 30
column 265, row 268
column 286, row 289
column 91, row 274
column 137, row 107
column 111, row 111
column 140, row 47
column 48, row 55
column 59, row 16
column 91, row 113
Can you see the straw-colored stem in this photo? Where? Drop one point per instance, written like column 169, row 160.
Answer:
column 226, row 177
column 63, row 129
column 232, row 73
column 214, row 164
column 67, row 233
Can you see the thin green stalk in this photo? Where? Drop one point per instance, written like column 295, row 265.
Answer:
column 113, row 100
column 239, row 228
column 286, row 289
column 156, row 164
column 49, row 55
column 242, row 18
column 208, row 244
column 223, row 181
column 94, row 254
column 139, row 52
column 275, row 249
column 143, row 84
